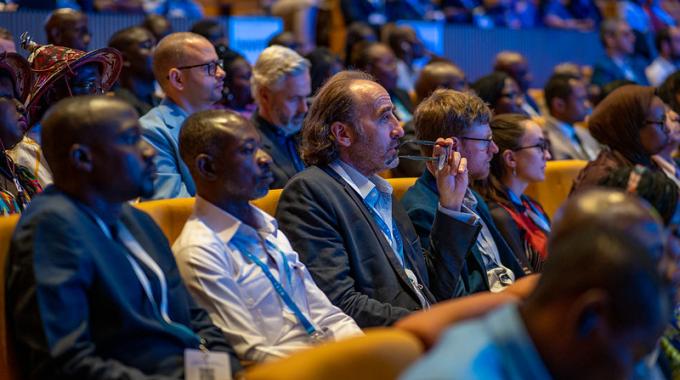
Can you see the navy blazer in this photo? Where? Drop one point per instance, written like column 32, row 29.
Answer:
column 606, row 71
column 79, row 311
column 274, row 143
column 455, row 279
column 349, row 258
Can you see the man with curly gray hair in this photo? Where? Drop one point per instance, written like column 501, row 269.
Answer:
column 281, row 85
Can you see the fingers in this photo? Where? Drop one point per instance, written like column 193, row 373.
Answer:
column 462, row 166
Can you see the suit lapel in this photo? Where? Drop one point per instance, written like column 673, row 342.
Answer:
column 384, row 244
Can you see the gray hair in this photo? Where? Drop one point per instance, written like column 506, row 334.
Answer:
column 274, row 64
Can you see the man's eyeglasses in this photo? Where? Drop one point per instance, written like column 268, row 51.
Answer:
column 441, row 159
column 211, row 67
column 485, row 142
column 543, row 145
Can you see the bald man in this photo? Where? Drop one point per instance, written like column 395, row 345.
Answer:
column 93, row 288
column 219, row 247
column 188, row 70
column 68, row 27
column 515, row 65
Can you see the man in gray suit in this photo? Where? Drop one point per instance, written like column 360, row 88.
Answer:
column 566, row 98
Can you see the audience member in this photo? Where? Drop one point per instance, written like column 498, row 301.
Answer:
column 17, row 183
column 67, row 27
column 500, row 92
column 300, row 18
column 341, row 217
column 213, row 31
column 232, row 256
column 631, row 124
column 619, row 61
column 440, row 74
column 669, row 91
column 667, row 42
column 93, row 288
column 574, row 324
column 379, row 61
column 136, row 84
column 58, row 73
column 515, row 65
column 567, row 103
column 581, row 15
column 287, row 40
column 324, row 64
column 158, row 25
column 187, row 69
column 7, row 41
column 407, row 47
column 357, row 32
column 489, row 263
column 281, row 86
column 236, row 94
column 664, row 159
column 521, row 160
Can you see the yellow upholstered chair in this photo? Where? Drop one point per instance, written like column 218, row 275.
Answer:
column 172, row 214
column 382, row 353
column 8, row 367
column 400, row 185
column 559, row 176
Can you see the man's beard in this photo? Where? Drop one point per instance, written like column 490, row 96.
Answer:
column 291, row 127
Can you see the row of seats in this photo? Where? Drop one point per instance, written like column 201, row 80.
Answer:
column 382, row 353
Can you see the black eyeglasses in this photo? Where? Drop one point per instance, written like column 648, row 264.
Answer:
column 486, row 142
column 211, row 67
column 660, row 123
column 441, row 159
column 543, row 145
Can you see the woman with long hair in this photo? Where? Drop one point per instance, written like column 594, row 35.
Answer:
column 522, row 155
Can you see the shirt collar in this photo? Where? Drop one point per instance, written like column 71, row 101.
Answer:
column 226, row 226
column 173, row 115
column 360, row 183
column 566, row 128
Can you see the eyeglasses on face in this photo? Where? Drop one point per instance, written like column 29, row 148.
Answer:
column 211, row 67
column 658, row 123
column 543, row 145
column 485, row 142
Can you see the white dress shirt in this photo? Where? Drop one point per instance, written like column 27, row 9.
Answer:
column 239, row 297
column 659, row 70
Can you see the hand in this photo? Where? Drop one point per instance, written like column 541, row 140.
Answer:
column 452, row 179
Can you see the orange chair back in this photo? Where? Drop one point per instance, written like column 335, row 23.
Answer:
column 400, row 185
column 8, row 366
column 559, row 176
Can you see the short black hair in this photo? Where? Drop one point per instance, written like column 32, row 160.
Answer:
column 669, row 90
column 558, row 86
column 204, row 27
column 663, row 35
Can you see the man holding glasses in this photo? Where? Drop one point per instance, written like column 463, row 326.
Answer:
column 490, row 263
column 188, row 70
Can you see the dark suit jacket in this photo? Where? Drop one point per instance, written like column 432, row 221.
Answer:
column 421, row 202
column 335, row 235
column 606, row 71
column 77, row 308
column 274, row 143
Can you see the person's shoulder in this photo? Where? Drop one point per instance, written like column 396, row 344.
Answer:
column 195, row 234
column 51, row 203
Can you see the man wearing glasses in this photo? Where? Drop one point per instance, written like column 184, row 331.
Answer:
column 188, row 70
column 490, row 263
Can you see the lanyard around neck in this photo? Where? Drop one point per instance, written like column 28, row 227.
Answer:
column 243, row 247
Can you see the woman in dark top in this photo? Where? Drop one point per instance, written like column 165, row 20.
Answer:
column 631, row 124
column 521, row 160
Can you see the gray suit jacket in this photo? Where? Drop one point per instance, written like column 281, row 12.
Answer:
column 562, row 148
column 349, row 258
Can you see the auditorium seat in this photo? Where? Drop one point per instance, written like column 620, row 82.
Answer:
column 400, row 185
column 8, row 367
column 171, row 214
column 383, row 353
column 559, row 176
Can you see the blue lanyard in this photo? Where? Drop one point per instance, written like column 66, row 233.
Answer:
column 285, row 297
column 399, row 250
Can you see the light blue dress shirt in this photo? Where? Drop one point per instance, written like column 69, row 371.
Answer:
column 496, row 347
column 160, row 128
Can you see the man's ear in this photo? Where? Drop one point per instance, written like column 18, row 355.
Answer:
column 342, row 133
column 81, row 157
column 175, row 78
column 263, row 96
column 558, row 104
column 205, row 165
column 591, row 315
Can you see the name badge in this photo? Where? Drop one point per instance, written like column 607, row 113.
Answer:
column 206, row 365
